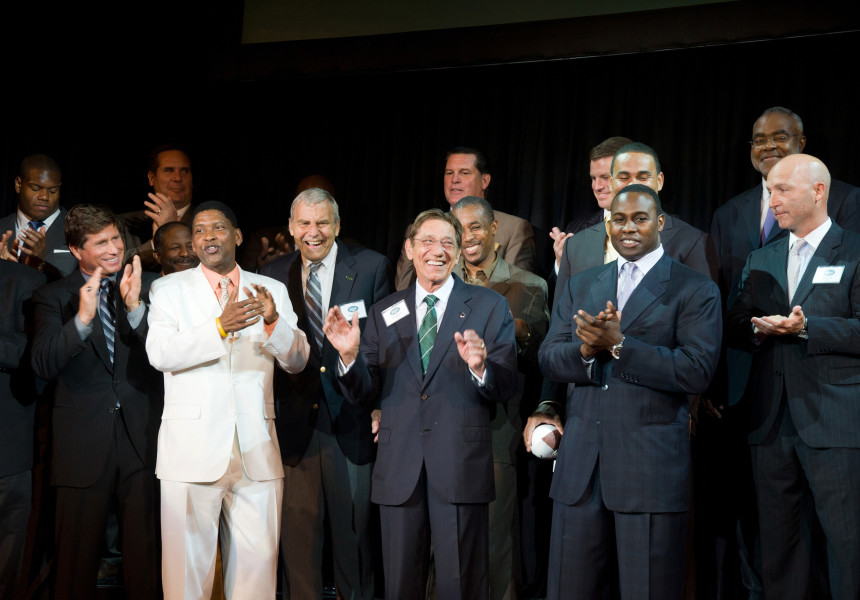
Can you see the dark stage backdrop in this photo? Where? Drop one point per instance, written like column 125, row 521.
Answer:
column 380, row 137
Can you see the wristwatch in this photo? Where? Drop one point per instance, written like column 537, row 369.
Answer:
column 616, row 349
column 804, row 332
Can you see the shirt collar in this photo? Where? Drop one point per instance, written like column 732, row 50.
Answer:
column 814, row 237
column 643, row 263
column 327, row 262
column 214, row 278
column 441, row 294
column 24, row 222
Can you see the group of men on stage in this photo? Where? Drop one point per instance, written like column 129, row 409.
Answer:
column 211, row 408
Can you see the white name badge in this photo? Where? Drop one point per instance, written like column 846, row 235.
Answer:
column 392, row 314
column 828, row 274
column 351, row 308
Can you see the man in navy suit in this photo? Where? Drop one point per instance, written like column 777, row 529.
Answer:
column 326, row 443
column 636, row 337
column 798, row 313
column 33, row 235
column 433, row 357
column 635, row 163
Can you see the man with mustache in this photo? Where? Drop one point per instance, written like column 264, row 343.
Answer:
column 173, row 248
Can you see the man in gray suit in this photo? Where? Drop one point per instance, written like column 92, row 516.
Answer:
column 798, row 313
column 636, row 163
column 636, row 336
column 33, row 235
column 526, row 294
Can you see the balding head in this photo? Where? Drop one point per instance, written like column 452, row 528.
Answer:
column 799, row 186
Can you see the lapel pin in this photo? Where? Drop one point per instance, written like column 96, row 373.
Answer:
column 348, row 277
column 462, row 315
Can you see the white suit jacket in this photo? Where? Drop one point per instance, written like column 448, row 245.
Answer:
column 215, row 386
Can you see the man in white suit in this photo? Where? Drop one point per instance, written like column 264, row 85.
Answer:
column 216, row 332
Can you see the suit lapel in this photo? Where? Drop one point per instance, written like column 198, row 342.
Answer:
column 501, row 277
column 97, row 337
column 456, row 312
column 595, row 241
column 406, row 332
column 825, row 255
column 652, row 286
column 604, row 287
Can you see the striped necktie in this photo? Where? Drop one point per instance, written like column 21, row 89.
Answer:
column 106, row 313
column 313, row 300
column 427, row 332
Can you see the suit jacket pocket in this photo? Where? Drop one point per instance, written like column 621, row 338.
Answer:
column 847, row 375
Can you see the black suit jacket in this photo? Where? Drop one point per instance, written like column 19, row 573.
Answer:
column 439, row 421
column 87, row 386
column 17, row 386
column 820, row 377
column 359, row 274
column 57, row 255
column 137, row 236
column 681, row 241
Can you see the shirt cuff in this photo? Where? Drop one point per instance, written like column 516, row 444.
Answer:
column 479, row 381
column 136, row 316
column 83, row 330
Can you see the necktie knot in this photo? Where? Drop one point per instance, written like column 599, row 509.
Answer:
column 430, row 299
column 37, row 225
column 314, row 267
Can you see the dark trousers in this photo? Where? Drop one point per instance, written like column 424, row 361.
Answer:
column 587, row 539
column 786, row 472
column 15, row 498
column 128, row 486
column 461, row 547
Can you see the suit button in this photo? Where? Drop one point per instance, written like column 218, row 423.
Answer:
column 605, row 387
column 316, row 406
column 423, row 396
column 322, row 369
column 116, row 381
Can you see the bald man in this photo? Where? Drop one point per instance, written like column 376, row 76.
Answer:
column 798, row 313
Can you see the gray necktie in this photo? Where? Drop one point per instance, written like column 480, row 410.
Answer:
column 795, row 259
column 106, row 313
column 626, row 283
column 313, row 300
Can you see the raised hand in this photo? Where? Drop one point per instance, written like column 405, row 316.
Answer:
column 129, row 285
column 89, row 297
column 342, row 334
column 238, row 315
column 472, row 350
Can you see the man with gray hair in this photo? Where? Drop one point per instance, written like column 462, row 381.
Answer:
column 327, row 444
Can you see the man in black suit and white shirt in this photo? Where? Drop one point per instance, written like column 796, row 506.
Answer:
column 326, row 442
column 33, row 235
column 798, row 313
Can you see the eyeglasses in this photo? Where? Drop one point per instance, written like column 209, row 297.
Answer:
column 429, row 243
column 777, row 140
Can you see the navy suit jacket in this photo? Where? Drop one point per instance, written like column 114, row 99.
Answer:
column 88, row 386
column 18, row 391
column 820, row 377
column 57, row 254
column 439, row 421
column 632, row 413
column 736, row 228
column 359, row 274
column 681, row 241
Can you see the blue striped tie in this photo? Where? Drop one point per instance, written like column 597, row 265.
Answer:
column 106, row 313
column 313, row 300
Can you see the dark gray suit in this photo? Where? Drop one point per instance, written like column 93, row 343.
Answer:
column 621, row 481
column 18, row 397
column 435, row 449
column 681, row 241
column 325, row 441
column 805, row 412
column 57, row 254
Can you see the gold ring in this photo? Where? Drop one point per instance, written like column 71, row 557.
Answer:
column 159, row 212
column 89, row 289
column 483, row 345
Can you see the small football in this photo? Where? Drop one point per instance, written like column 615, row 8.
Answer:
column 545, row 441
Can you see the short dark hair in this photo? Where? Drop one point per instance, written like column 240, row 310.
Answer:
column 608, row 147
column 481, row 203
column 642, row 189
column 434, row 214
column 86, row 219
column 158, row 238
column 39, row 162
column 220, row 207
column 784, row 111
column 480, row 159
column 641, row 149
column 153, row 156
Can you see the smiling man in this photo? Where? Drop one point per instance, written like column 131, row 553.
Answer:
column 326, row 443
column 633, row 338
column 174, row 250
column 90, row 333
column 216, row 332
column 33, row 235
column 526, row 294
column 435, row 358
column 797, row 314
column 172, row 184
column 636, row 163
column 467, row 173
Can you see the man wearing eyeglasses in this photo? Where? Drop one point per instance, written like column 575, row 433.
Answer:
column 435, row 358
column 744, row 224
